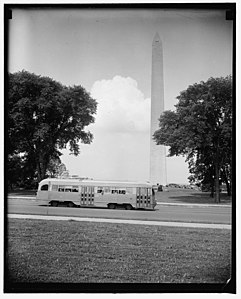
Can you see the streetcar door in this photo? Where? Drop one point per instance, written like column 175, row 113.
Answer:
column 87, row 195
column 143, row 198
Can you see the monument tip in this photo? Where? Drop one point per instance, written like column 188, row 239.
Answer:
column 156, row 38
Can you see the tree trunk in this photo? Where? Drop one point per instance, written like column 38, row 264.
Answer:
column 38, row 172
column 217, row 186
column 228, row 189
column 212, row 190
column 225, row 177
column 228, row 186
column 41, row 167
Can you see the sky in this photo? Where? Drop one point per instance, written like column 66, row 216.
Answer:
column 108, row 52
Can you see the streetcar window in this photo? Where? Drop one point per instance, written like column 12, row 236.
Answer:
column 66, row 188
column 122, row 191
column 44, row 188
column 75, row 189
column 99, row 189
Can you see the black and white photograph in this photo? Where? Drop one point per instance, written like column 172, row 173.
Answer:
column 119, row 146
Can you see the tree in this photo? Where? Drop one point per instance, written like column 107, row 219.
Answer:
column 202, row 172
column 56, row 168
column 201, row 128
column 44, row 117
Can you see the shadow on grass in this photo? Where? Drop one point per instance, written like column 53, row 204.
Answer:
column 22, row 192
column 200, row 198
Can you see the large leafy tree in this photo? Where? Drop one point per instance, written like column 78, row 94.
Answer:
column 44, row 117
column 201, row 128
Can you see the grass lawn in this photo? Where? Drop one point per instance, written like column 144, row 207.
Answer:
column 189, row 196
column 76, row 252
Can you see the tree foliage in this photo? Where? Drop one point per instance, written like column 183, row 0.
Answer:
column 56, row 168
column 201, row 128
column 21, row 173
column 44, row 117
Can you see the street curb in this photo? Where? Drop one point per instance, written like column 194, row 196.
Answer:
column 123, row 221
column 158, row 203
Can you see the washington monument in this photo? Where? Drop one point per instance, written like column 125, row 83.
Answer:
column 157, row 152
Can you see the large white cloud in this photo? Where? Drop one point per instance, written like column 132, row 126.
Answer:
column 122, row 107
column 121, row 146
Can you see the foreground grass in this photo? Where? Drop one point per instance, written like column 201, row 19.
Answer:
column 76, row 252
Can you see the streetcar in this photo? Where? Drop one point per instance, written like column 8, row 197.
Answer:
column 90, row 193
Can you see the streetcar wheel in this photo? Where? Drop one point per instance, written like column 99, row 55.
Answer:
column 70, row 204
column 54, row 203
column 128, row 207
column 111, row 206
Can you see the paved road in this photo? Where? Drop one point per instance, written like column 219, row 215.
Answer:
column 186, row 213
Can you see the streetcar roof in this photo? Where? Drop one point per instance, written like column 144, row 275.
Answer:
column 74, row 181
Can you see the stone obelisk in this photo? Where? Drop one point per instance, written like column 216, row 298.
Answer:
column 157, row 152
